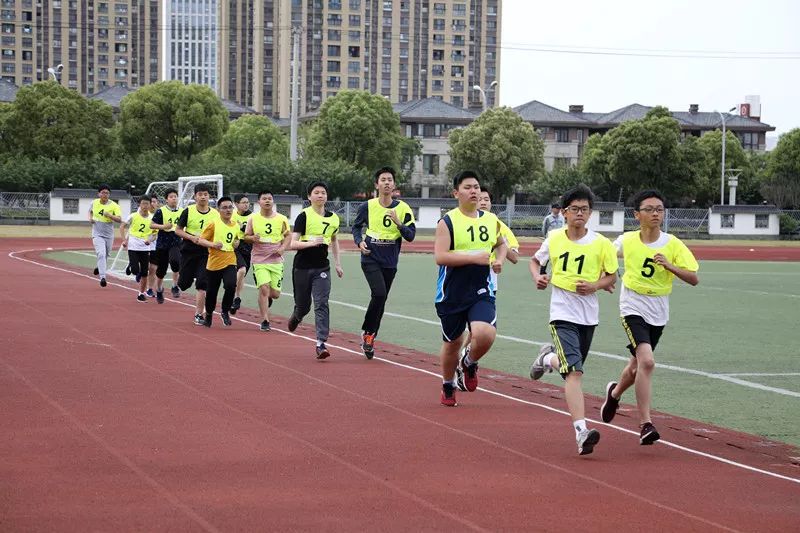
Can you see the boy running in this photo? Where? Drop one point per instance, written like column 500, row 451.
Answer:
column 168, row 245
column 268, row 231
column 465, row 239
column 102, row 216
column 652, row 260
column 243, row 252
column 151, row 271
column 388, row 222
column 221, row 237
column 583, row 263
column 137, row 240
column 191, row 223
column 315, row 229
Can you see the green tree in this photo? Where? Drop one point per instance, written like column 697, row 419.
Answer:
column 51, row 121
column 553, row 184
column 252, row 136
column 782, row 180
column 501, row 147
column 735, row 158
column 359, row 128
column 172, row 118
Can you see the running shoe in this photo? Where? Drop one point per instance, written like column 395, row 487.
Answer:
column 448, row 395
column 293, row 322
column 226, row 319
column 322, row 351
column 103, row 282
column 128, row 270
column 150, row 293
column 198, row 320
column 264, row 326
column 160, row 297
column 237, row 303
column 649, row 434
column 176, row 292
column 468, row 374
column 368, row 344
column 96, row 271
column 538, row 368
column 207, row 320
column 141, row 297
column 587, row 439
column 462, row 386
column 610, row 406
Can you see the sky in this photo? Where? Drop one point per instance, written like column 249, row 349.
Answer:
column 760, row 41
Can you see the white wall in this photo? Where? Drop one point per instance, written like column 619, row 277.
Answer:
column 84, row 206
column 744, row 224
column 617, row 222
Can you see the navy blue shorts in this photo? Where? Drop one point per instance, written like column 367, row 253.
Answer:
column 454, row 324
column 572, row 343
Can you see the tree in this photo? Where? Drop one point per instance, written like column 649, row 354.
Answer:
column 553, row 184
column 252, row 136
column 735, row 158
column 51, row 121
column 172, row 118
column 359, row 128
column 501, row 147
column 782, row 180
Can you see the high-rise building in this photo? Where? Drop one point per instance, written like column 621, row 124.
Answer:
column 98, row 44
column 190, row 33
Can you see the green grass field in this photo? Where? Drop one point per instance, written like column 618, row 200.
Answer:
column 743, row 319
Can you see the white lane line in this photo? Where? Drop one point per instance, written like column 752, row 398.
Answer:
column 424, row 371
column 779, row 374
column 721, row 377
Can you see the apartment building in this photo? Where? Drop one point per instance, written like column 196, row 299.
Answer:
column 97, row 44
column 190, row 37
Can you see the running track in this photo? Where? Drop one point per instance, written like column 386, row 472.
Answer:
column 125, row 416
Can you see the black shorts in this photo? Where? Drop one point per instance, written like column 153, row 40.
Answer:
column 572, row 342
column 454, row 324
column 138, row 261
column 166, row 257
column 193, row 270
column 242, row 260
column 640, row 332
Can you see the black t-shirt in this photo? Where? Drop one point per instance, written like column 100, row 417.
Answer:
column 315, row 257
column 190, row 248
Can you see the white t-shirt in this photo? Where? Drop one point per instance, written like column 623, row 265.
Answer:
column 135, row 244
column 567, row 305
column 653, row 309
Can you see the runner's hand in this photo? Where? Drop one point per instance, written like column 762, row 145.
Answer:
column 542, row 282
column 339, row 271
column 364, row 250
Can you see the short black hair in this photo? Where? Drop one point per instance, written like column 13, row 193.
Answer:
column 201, row 187
column 143, row 197
column 224, row 199
column 152, row 197
column 239, row 197
column 555, row 205
column 265, row 191
column 464, row 174
column 314, row 184
column 487, row 191
column 381, row 170
column 170, row 191
column 579, row 192
column 103, row 187
column 644, row 195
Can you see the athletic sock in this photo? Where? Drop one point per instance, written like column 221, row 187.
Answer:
column 548, row 361
column 451, row 382
column 580, row 425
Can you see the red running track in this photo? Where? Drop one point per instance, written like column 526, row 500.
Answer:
column 124, row 416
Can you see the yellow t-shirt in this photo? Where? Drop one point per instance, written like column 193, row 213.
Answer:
column 218, row 231
column 380, row 226
column 99, row 210
column 643, row 274
column 573, row 262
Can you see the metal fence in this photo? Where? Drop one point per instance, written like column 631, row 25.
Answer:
column 676, row 220
column 25, row 206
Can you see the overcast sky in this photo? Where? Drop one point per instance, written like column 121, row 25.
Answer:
column 602, row 83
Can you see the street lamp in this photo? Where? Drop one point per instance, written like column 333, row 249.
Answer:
column 483, row 94
column 722, row 178
column 55, row 71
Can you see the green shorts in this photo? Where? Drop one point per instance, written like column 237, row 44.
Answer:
column 268, row 274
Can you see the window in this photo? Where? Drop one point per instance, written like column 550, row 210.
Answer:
column 69, row 206
column 333, row 66
column 606, row 218
column 354, row 67
column 354, row 51
column 439, row 9
column 438, row 55
column 352, row 83
column 430, row 164
column 459, row 10
column 355, row 20
column 749, row 140
column 762, row 221
column 334, row 50
column 438, row 24
column 728, row 221
column 334, row 35
column 562, row 135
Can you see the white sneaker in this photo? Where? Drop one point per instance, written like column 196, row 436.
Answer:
column 538, row 368
column 462, row 386
column 586, row 441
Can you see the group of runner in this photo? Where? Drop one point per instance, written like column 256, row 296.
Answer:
column 219, row 246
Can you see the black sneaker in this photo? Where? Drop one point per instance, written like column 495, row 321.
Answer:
column 128, row 271
column 96, row 271
column 322, row 351
column 226, row 319
column 207, row 320
column 293, row 323
column 368, row 344
column 176, row 292
column 649, row 434
column 141, row 297
column 587, row 439
column 448, row 395
column 264, row 325
column 610, row 406
column 160, row 297
column 198, row 320
column 237, row 303
column 150, row 293
column 138, row 278
column 103, row 282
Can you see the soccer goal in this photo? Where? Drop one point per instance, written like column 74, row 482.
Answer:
column 185, row 187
